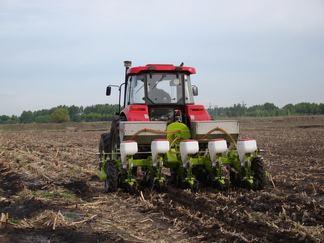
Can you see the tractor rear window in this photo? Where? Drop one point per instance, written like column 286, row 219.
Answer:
column 164, row 88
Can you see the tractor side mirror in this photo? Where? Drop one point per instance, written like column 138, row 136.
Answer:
column 108, row 91
column 194, row 90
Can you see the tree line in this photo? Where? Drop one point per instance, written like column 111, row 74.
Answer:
column 267, row 109
column 106, row 112
column 100, row 112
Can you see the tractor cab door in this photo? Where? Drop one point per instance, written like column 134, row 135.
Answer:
column 136, row 92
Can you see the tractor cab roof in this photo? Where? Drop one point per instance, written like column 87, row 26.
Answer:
column 161, row 68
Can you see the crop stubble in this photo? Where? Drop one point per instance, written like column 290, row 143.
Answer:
column 49, row 190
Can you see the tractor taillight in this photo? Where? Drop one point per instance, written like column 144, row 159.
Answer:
column 136, row 108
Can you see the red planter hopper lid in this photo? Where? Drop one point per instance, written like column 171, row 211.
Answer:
column 128, row 141
column 246, row 139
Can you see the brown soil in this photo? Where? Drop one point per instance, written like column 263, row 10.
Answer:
column 48, row 189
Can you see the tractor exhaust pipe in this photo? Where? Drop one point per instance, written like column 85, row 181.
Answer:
column 127, row 65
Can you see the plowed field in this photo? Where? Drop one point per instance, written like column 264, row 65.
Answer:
column 49, row 191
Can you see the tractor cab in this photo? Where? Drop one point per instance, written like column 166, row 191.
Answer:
column 160, row 92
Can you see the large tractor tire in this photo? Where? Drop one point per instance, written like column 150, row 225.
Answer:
column 259, row 175
column 104, row 144
column 111, row 183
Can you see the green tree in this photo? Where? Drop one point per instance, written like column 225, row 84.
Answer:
column 26, row 117
column 43, row 119
column 14, row 119
column 321, row 108
column 75, row 113
column 305, row 108
column 92, row 117
column 4, row 119
column 288, row 109
column 60, row 114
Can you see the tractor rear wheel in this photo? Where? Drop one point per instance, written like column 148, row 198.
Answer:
column 259, row 177
column 104, row 144
column 111, row 183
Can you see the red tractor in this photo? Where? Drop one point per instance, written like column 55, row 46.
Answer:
column 160, row 131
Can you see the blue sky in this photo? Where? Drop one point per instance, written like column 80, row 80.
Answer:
column 66, row 52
